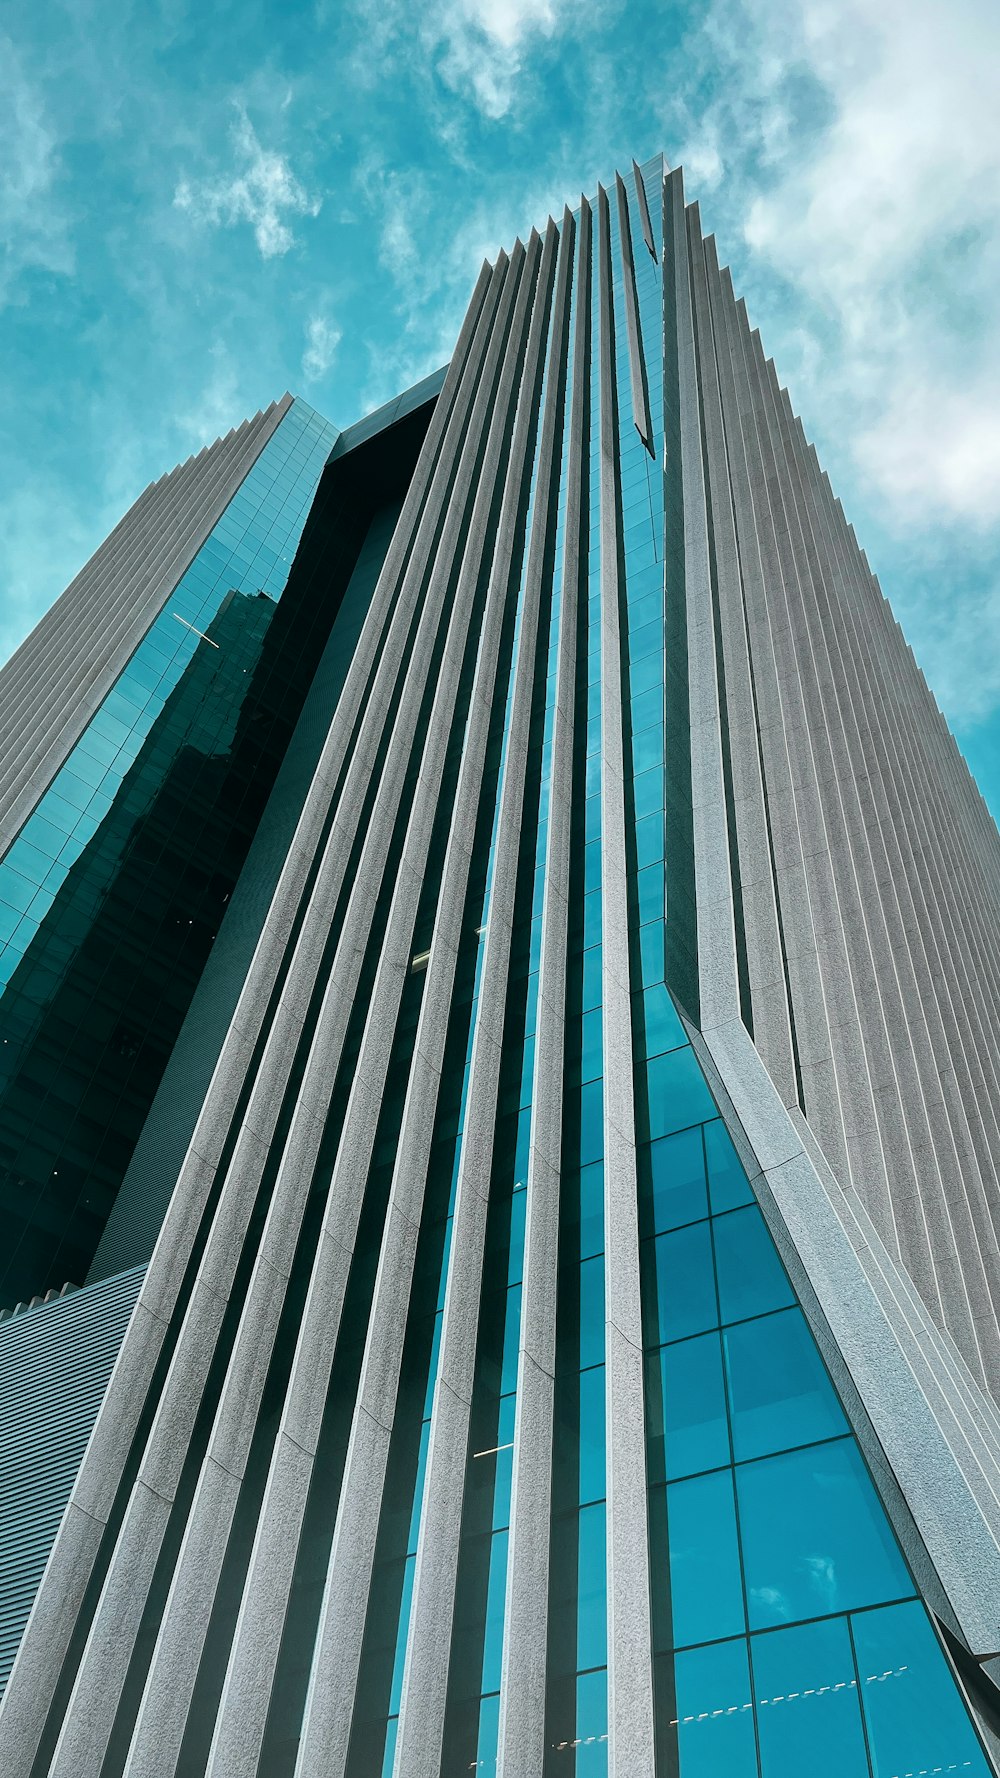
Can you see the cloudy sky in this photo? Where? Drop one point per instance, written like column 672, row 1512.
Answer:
column 202, row 205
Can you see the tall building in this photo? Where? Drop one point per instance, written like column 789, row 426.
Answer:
column 499, row 1091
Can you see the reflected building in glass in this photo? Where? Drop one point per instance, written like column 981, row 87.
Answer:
column 498, row 1091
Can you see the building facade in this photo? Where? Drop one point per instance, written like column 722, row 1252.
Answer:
column 498, row 1091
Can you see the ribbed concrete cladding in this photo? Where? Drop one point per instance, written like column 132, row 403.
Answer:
column 54, row 682
column 468, row 1418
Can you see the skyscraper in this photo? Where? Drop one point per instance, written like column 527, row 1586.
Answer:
column 499, row 1104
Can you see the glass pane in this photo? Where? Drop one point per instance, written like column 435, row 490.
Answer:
column 592, row 1470
column 808, row 1715
column 715, row 1732
column 727, row 1183
column 751, row 1276
column 815, row 1536
column 592, row 1594
column 592, row 1312
column 661, row 1023
column 916, row 1718
column 678, row 1095
column 695, row 1435
column 779, row 1390
column 679, row 1294
column 592, row 1724
column 706, row 1592
column 677, row 1167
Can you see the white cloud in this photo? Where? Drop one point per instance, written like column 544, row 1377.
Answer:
column 218, row 407
column 856, row 150
column 262, row 190
column 33, row 227
column 322, row 339
column 869, row 216
column 482, row 45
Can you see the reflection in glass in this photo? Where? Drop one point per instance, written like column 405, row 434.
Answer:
column 680, row 1298
column 706, row 1590
column 809, row 1717
column 815, row 1536
column 779, row 1390
column 915, row 1717
column 690, row 1406
column 677, row 1175
column 752, row 1278
column 715, row 1732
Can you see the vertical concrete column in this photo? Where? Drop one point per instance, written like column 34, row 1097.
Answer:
column 160, row 1726
column 246, row 1691
column 521, row 1744
column 630, row 1677
column 772, row 1029
column 636, row 360
column 61, row 1595
column 425, row 1673
column 103, row 1667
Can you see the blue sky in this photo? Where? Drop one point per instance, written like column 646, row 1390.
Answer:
column 201, row 205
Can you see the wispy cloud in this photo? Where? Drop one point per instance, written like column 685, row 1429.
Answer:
column 856, row 151
column 261, row 190
column 481, row 45
column 323, row 337
column 34, row 231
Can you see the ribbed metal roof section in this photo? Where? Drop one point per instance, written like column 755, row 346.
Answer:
column 55, row 1361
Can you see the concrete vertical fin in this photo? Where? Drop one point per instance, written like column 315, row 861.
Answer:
column 644, row 217
column 159, row 1729
column 26, row 1702
column 772, row 1030
column 425, row 1671
column 521, row 1743
column 102, row 1670
column 636, row 361
column 243, row 1710
column 630, row 1687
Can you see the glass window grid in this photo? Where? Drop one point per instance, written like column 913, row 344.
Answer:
column 68, row 813
column 748, row 1743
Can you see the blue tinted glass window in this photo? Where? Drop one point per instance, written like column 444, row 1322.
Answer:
column 591, row 1122
column 661, row 1022
column 780, row 1393
column 751, row 1276
column 680, row 1294
column 815, row 1536
column 678, row 1095
column 809, row 1716
column 592, row 1724
column 593, row 1485
column 715, row 1733
column 706, row 1592
column 493, row 1639
column 727, row 1182
column 592, row 1312
column 694, row 1432
column 915, row 1716
column 677, row 1172
column 591, row 1209
column 592, row 1597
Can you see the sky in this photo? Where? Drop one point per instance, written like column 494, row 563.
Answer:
column 202, row 205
